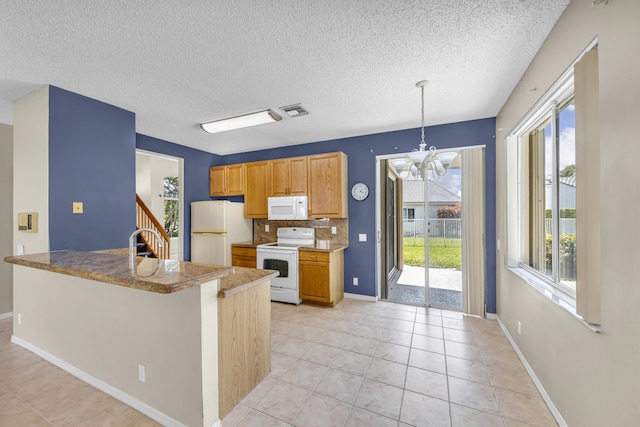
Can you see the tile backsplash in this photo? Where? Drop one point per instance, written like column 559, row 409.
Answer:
column 322, row 226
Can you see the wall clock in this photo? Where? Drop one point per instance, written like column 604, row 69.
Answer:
column 360, row 191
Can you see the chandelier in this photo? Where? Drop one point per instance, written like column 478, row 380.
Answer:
column 419, row 162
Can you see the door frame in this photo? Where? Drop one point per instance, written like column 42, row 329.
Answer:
column 382, row 282
column 181, row 210
column 380, row 251
column 381, row 239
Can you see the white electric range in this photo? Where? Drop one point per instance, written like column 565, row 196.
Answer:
column 282, row 256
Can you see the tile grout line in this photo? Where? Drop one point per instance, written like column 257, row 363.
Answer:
column 493, row 389
column 31, row 408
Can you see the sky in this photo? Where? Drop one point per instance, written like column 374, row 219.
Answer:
column 567, row 130
column 452, row 181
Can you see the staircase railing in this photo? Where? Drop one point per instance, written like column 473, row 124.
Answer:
column 145, row 219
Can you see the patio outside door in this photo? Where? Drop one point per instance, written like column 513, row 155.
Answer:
column 422, row 235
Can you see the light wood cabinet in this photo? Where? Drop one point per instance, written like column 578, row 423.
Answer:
column 321, row 276
column 243, row 257
column 322, row 177
column 256, row 189
column 226, row 180
column 288, row 176
column 328, row 185
column 244, row 344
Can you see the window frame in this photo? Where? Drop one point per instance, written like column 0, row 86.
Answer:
column 586, row 305
column 546, row 114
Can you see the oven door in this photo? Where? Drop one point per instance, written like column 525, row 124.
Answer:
column 283, row 260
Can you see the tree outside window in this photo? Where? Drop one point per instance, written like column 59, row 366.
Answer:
column 171, row 216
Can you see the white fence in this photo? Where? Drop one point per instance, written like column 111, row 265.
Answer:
column 447, row 228
column 451, row 228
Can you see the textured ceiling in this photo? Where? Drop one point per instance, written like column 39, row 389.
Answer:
column 352, row 63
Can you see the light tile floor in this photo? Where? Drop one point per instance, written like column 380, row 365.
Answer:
column 358, row 364
column 35, row 393
column 384, row 364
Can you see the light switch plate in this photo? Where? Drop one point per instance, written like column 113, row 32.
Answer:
column 362, row 237
column 77, row 207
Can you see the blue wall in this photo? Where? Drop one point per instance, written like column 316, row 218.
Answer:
column 91, row 160
column 360, row 258
column 196, row 175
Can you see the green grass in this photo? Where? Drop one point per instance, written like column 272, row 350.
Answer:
column 443, row 253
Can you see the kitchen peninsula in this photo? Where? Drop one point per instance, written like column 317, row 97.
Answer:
column 151, row 335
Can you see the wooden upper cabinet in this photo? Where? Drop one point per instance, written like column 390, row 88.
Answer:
column 279, row 177
column 226, row 180
column 288, row 176
column 217, row 181
column 235, row 180
column 256, row 189
column 328, row 185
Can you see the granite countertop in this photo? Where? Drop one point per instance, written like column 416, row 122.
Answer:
column 323, row 248
column 151, row 274
column 319, row 247
column 249, row 244
column 243, row 278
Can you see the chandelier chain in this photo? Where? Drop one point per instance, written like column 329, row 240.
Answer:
column 422, row 122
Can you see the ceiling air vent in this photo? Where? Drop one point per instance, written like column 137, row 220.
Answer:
column 294, row 110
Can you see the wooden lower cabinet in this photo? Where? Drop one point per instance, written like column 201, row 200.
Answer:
column 321, row 277
column 243, row 257
column 244, row 344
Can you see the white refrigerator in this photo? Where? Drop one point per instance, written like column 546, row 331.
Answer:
column 215, row 225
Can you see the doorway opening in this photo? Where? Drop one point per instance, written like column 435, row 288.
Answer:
column 160, row 184
column 423, row 235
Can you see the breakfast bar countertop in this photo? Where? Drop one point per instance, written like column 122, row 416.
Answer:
column 150, row 274
column 243, row 278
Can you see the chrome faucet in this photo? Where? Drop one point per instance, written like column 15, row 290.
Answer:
column 132, row 250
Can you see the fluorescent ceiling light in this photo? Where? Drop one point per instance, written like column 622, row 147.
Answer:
column 244, row 121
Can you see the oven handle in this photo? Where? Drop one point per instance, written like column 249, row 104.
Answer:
column 275, row 251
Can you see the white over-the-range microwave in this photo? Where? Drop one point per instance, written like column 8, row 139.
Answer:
column 288, row 208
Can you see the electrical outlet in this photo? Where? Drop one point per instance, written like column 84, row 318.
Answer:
column 20, row 249
column 519, row 328
column 142, row 374
column 19, row 318
column 355, row 281
column 334, row 230
column 266, row 228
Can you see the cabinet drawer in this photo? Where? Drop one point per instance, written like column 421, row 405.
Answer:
column 243, row 251
column 314, row 256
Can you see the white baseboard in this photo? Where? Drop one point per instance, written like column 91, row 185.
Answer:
column 6, row 315
column 491, row 316
column 123, row 397
column 545, row 396
column 360, row 297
